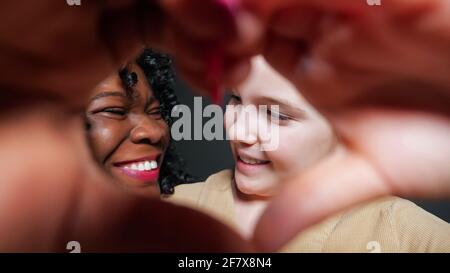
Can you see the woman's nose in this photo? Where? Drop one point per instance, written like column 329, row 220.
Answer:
column 147, row 131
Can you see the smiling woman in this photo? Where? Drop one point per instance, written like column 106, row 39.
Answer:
column 128, row 120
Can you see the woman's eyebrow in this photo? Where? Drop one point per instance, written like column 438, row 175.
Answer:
column 108, row 94
column 150, row 101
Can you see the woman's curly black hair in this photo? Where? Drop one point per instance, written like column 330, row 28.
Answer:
column 158, row 70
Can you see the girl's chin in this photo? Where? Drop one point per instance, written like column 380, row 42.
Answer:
column 250, row 186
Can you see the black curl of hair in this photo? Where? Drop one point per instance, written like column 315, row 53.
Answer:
column 158, row 70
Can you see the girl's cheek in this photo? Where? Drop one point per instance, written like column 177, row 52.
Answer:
column 228, row 119
column 287, row 158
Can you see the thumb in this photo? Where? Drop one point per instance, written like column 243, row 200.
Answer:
column 342, row 180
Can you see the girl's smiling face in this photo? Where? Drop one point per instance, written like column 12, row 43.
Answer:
column 127, row 133
column 304, row 136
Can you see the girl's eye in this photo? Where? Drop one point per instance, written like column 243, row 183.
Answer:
column 116, row 111
column 277, row 117
column 234, row 99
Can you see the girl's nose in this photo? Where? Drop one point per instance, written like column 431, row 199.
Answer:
column 242, row 125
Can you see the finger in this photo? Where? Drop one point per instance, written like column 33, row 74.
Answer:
column 337, row 183
column 206, row 19
column 284, row 53
column 409, row 146
column 47, row 203
column 36, row 196
column 217, row 23
column 405, row 8
column 234, row 72
column 301, row 19
column 266, row 9
column 316, row 78
column 186, row 49
column 121, row 35
column 153, row 24
column 250, row 35
column 151, row 225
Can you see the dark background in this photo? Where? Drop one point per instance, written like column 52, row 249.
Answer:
column 204, row 158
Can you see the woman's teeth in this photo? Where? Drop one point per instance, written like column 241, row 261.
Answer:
column 142, row 166
column 253, row 161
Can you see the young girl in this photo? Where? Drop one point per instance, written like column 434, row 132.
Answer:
column 239, row 196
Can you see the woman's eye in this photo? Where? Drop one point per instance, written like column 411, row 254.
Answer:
column 234, row 99
column 156, row 112
column 117, row 111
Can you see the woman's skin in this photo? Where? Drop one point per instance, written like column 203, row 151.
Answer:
column 127, row 133
column 304, row 138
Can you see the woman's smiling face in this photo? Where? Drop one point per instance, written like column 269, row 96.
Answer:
column 303, row 135
column 127, row 133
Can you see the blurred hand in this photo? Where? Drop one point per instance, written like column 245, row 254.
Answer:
column 51, row 191
column 380, row 74
column 62, row 51
column 358, row 64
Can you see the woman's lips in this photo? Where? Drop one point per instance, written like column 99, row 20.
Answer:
column 145, row 169
column 144, row 176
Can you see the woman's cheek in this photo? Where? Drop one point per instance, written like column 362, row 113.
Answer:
column 166, row 135
column 101, row 140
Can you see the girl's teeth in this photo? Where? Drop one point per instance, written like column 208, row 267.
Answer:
column 141, row 167
column 134, row 167
column 252, row 161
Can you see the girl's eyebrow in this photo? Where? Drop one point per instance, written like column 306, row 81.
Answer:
column 284, row 104
column 108, row 94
